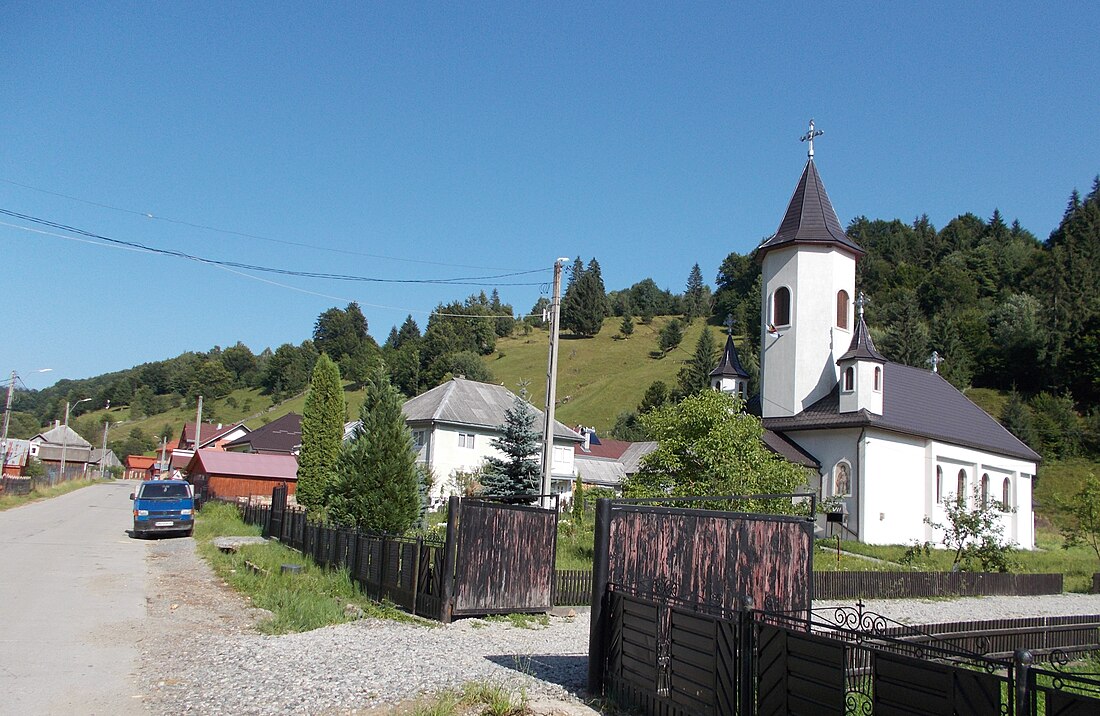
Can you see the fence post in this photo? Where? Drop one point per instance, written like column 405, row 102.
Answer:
column 746, row 638
column 597, row 630
column 450, row 548
column 419, row 545
column 1022, row 660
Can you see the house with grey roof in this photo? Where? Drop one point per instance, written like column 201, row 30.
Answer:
column 62, row 445
column 453, row 426
column 889, row 444
column 282, row 436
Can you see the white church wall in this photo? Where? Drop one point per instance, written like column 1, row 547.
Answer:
column 1019, row 526
column 814, row 275
column 894, row 468
column 831, row 447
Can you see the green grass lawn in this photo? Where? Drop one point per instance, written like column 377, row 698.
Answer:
column 312, row 598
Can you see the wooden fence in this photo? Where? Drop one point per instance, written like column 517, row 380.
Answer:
column 903, row 585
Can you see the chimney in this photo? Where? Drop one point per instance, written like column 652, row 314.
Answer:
column 587, row 432
column 57, row 423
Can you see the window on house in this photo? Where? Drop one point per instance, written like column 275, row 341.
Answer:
column 960, row 496
column 1006, row 494
column 781, row 306
column 419, row 436
column 466, row 440
column 985, row 489
column 842, row 310
column 849, row 378
column 561, row 454
column 878, row 378
column 842, row 479
column 939, row 485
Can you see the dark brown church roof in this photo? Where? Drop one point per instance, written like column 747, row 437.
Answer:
column 915, row 402
column 862, row 347
column 730, row 365
column 810, row 218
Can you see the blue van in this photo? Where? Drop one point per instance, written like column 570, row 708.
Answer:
column 164, row 506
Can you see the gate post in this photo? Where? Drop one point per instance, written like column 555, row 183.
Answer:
column 450, row 548
column 746, row 665
column 597, row 630
column 1022, row 660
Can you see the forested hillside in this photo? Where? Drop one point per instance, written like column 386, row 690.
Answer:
column 1005, row 311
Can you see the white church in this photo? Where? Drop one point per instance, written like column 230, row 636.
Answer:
column 890, row 443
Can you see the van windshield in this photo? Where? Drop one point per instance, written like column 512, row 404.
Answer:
column 153, row 492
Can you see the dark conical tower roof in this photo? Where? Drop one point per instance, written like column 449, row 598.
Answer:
column 862, row 347
column 810, row 218
column 730, row 365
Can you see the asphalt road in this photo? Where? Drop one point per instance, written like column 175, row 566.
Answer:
column 72, row 601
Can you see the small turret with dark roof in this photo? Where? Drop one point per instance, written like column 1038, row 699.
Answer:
column 861, row 370
column 729, row 375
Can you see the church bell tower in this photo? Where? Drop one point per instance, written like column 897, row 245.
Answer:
column 808, row 277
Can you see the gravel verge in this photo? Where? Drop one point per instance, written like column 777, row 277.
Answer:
column 201, row 652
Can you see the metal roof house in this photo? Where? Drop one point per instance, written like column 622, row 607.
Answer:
column 453, row 426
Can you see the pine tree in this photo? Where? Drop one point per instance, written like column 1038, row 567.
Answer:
column 671, row 335
column 322, row 433
column 518, row 473
column 695, row 374
column 377, row 486
column 696, row 295
column 626, row 328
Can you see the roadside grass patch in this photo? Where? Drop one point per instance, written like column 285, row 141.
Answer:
column 45, row 493
column 473, row 698
column 312, row 598
column 521, row 621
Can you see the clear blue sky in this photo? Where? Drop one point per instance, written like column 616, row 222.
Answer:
column 441, row 140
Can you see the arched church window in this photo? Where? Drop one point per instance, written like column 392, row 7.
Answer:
column 781, row 306
column 985, row 489
column 842, row 309
column 878, row 378
column 960, row 496
column 939, row 484
column 849, row 378
column 1006, row 494
column 842, row 479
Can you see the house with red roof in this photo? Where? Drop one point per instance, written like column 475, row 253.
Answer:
column 231, row 475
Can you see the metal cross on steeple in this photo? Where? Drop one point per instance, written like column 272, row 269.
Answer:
column 935, row 361
column 809, row 137
column 861, row 301
column 729, row 323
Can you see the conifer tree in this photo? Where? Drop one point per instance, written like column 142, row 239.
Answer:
column 322, row 433
column 626, row 328
column 518, row 473
column 695, row 374
column 378, row 485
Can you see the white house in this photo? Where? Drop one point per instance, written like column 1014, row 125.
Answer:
column 893, row 442
column 454, row 424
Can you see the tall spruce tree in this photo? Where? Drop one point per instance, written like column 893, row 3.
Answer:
column 695, row 374
column 322, row 433
column 377, row 486
column 585, row 306
column 518, row 472
column 697, row 297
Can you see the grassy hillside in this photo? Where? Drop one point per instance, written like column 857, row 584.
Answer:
column 599, row 377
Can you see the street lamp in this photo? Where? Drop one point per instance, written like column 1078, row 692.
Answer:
column 65, row 435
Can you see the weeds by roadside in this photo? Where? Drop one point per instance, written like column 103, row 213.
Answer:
column 45, row 493
column 308, row 599
column 474, row 698
column 522, row 621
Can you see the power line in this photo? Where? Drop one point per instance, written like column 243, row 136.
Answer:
column 457, row 281
column 542, row 286
column 242, row 234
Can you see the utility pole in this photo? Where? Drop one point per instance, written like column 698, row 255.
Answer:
column 551, row 387
column 65, row 436
column 198, row 426
column 7, row 419
column 103, row 454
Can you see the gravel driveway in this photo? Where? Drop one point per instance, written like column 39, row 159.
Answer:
column 208, row 658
